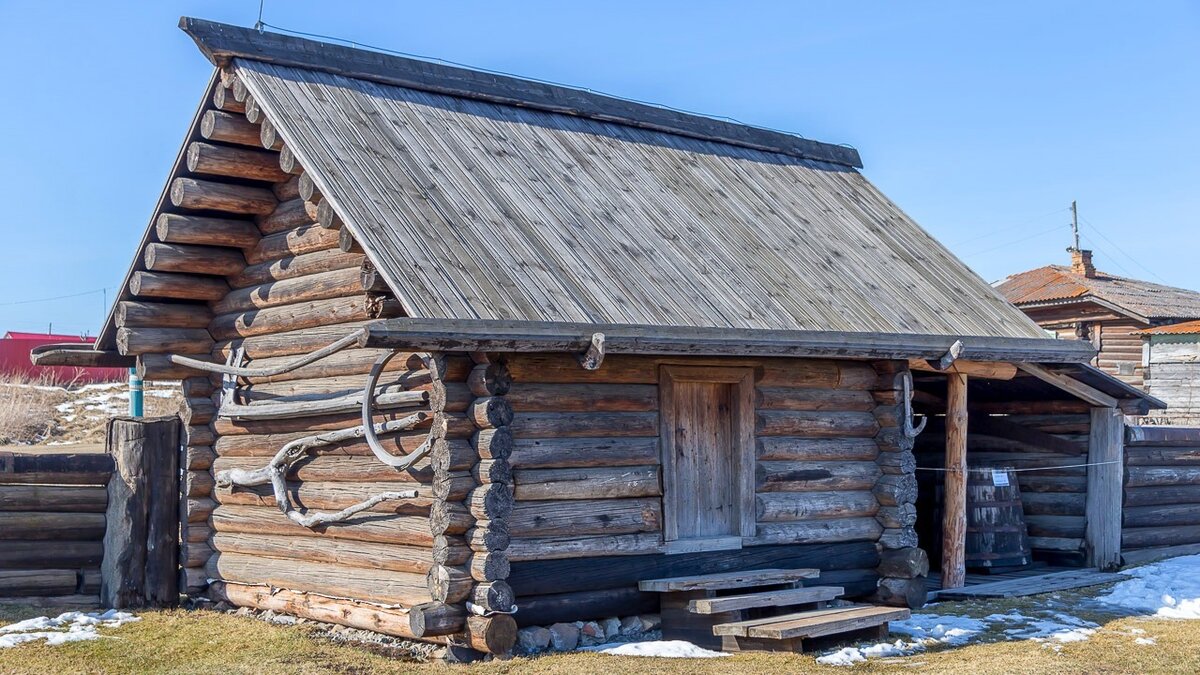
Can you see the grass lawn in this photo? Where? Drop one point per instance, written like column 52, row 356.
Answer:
column 211, row 642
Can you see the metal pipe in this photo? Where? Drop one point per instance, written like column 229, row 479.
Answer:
column 136, row 393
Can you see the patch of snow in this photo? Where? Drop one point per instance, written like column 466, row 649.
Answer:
column 1168, row 589
column 927, row 630
column 670, row 649
column 64, row 628
column 1145, row 641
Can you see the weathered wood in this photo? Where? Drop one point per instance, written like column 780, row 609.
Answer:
column 895, row 490
column 954, row 500
column 804, row 448
column 816, row 424
column 569, row 547
column 298, row 315
column 352, row 613
column 789, row 398
column 371, row 527
column 493, row 502
column 287, row 215
column 35, row 582
column 805, row 476
column 188, row 259
column 54, row 498
column 288, row 161
column 527, row 397
column 56, row 469
column 776, row 507
column 904, row 563
column 327, row 217
column 490, row 411
column 268, row 135
column 579, row 425
column 817, row 531
column 223, row 160
column 163, row 340
column 493, row 596
column 583, row 452
column 587, row 483
column 140, row 542
column 176, row 286
column 58, row 554
column 308, row 190
column 987, row 369
column 226, row 127
column 1152, row 495
column 173, row 228
column 1104, row 478
column 223, row 100
column 139, row 314
column 347, row 242
column 1173, row 535
column 493, row 443
column 292, row 267
column 385, row 586
column 43, row 526
column 492, row 634
column 204, row 195
column 295, row 241
column 584, row 517
column 543, row 610
column 450, row 585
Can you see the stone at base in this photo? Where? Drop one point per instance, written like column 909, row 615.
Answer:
column 564, row 637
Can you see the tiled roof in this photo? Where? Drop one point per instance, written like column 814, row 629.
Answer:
column 1056, row 283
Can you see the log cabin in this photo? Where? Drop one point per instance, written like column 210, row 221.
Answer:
column 463, row 352
column 1171, row 359
column 1080, row 302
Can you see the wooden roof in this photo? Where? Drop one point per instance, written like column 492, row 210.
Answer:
column 1143, row 300
column 493, row 204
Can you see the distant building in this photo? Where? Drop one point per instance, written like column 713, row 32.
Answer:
column 1081, row 302
column 1172, row 362
column 14, row 359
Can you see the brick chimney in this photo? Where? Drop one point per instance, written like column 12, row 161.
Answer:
column 1081, row 262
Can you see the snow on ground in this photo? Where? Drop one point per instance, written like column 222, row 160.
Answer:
column 671, row 649
column 109, row 398
column 1169, row 589
column 64, row 628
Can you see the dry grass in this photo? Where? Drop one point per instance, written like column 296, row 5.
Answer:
column 30, row 414
column 208, row 642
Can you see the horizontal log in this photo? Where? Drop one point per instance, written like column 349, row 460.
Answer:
column 31, row 555
column 494, row 634
column 308, row 190
column 457, row 425
column 346, row 240
column 288, row 215
column 1138, row 476
column 140, row 314
column 449, row 585
column 1058, row 544
column 781, row 507
column 1028, row 407
column 307, row 406
column 1052, row 526
column 458, row 454
column 577, row 425
column 900, row 516
column 42, row 526
column 556, row 548
column 336, row 468
column 1054, row 503
column 295, row 266
column 204, row 195
column 223, row 100
column 817, row 531
column 54, row 498
column 188, row 259
column 493, row 596
column 1162, row 436
column 816, row 424
column 790, row 398
column 436, row 618
column 802, row 449
column 904, row 563
column 163, row 340
column 151, row 366
column 583, row 452
column 344, row 612
column 493, row 443
column 490, row 411
column 37, row 582
column 174, row 228
column 585, row 517
column 631, row 369
column 1164, row 494
column 809, row 476
column 587, row 483
column 342, row 552
column 493, row 502
column 288, row 161
column 327, row 217
column 895, row 490
column 197, row 510
column 233, row 162
column 1039, row 481
column 227, row 127
column 347, row 369
column 529, row 397
column 370, row 527
column 197, row 411
column 56, row 469
column 289, row 342
column 1162, row 456
column 299, row 315
column 337, row 496
column 1161, row 515
column 268, row 135
column 197, row 483
column 293, row 242
column 544, row 610
column 1145, row 537
column 987, row 369
column 897, row 538
column 198, row 457
column 176, row 286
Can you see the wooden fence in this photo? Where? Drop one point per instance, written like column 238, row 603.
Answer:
column 52, row 526
column 94, row 529
column 1162, row 488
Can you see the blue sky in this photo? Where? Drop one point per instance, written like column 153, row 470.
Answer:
column 981, row 120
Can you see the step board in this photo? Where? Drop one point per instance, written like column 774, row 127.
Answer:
column 1032, row 585
column 783, row 598
column 726, row 580
column 813, row 624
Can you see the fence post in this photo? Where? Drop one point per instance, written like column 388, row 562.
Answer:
column 141, row 539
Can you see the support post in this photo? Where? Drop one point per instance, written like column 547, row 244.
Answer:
column 141, row 538
column 1105, row 473
column 954, row 504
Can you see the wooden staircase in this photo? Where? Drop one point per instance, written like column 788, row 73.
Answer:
column 764, row 610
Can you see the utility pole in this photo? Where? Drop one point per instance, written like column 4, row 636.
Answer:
column 1075, row 223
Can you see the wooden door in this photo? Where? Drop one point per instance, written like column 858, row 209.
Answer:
column 708, row 457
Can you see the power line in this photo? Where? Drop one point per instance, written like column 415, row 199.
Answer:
column 1009, row 228
column 57, row 297
column 1123, row 252
column 1043, row 233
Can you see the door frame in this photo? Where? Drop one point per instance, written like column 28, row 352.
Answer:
column 742, row 437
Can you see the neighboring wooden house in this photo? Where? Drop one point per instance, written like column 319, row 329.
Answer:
column 1079, row 302
column 595, row 343
column 1172, row 363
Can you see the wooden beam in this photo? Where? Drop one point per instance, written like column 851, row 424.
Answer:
column 991, row 370
column 221, row 43
column 954, row 519
column 476, row 335
column 80, row 355
column 1070, row 385
column 1105, row 474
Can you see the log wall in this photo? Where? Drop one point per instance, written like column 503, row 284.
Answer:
column 52, row 524
column 587, row 479
column 1162, row 487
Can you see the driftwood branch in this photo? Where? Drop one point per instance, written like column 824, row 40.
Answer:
column 906, row 387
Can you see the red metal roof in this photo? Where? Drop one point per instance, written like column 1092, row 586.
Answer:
column 1185, row 328
column 1142, row 299
column 53, row 337
column 14, row 359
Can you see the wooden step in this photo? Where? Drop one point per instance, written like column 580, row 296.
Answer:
column 812, row 624
column 783, row 598
column 724, row 580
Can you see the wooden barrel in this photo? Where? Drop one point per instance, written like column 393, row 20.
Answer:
column 996, row 531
